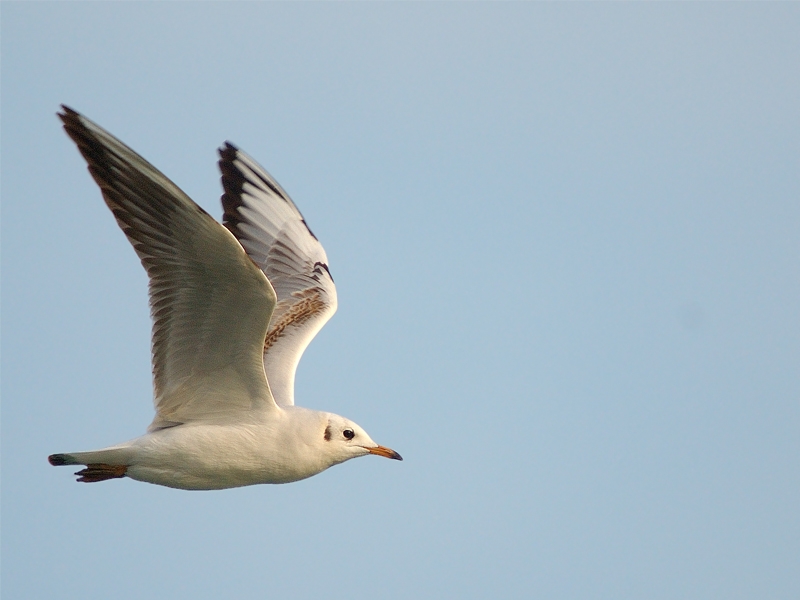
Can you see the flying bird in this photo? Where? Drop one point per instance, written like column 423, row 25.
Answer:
column 234, row 305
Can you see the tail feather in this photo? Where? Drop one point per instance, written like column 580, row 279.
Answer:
column 93, row 472
column 59, row 460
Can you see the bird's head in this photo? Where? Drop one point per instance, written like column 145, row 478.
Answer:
column 344, row 440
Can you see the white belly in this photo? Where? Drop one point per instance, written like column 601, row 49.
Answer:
column 206, row 457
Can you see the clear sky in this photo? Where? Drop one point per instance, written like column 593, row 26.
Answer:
column 565, row 239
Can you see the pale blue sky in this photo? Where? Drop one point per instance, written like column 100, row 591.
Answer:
column 565, row 239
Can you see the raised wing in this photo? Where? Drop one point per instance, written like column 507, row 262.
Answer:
column 273, row 232
column 209, row 303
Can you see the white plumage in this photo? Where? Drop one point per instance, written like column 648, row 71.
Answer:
column 233, row 309
column 274, row 234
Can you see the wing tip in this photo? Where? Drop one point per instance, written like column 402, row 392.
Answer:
column 234, row 177
column 67, row 113
column 233, row 182
column 228, row 151
column 71, row 120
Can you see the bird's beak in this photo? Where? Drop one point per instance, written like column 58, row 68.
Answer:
column 384, row 451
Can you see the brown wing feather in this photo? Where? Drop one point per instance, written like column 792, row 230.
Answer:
column 210, row 304
column 276, row 236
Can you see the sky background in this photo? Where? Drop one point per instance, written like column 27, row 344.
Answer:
column 565, row 240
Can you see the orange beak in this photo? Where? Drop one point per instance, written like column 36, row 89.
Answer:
column 384, row 451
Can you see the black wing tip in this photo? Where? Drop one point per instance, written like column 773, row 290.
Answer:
column 73, row 122
column 94, row 151
column 227, row 154
column 71, row 119
column 233, row 180
column 67, row 112
column 232, row 184
column 228, row 148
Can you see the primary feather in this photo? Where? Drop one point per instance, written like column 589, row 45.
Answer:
column 273, row 232
column 209, row 303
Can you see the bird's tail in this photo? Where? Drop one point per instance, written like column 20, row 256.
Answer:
column 96, row 468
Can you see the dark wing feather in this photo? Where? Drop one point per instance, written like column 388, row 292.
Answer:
column 275, row 235
column 210, row 304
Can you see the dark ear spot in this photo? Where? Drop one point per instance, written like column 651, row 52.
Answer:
column 328, row 432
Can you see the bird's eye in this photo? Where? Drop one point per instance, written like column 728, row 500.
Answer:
column 348, row 434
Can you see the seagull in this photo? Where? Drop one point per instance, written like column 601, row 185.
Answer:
column 233, row 305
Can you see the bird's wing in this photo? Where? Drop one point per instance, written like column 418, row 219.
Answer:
column 209, row 303
column 273, row 232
